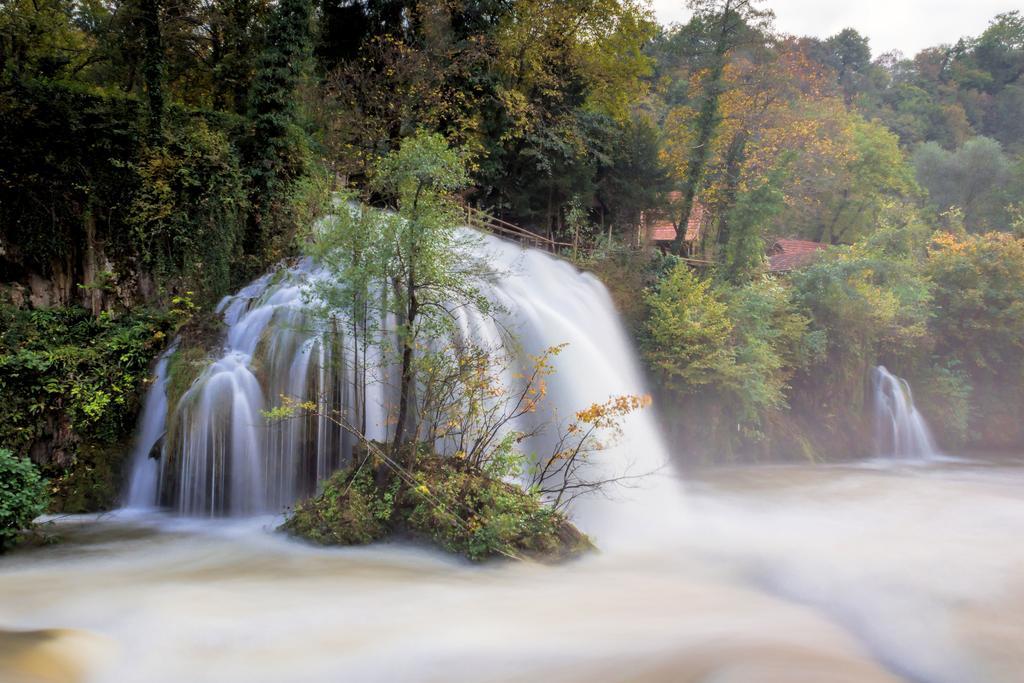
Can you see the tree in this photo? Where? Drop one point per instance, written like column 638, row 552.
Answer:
column 415, row 257
column 565, row 75
column 978, row 285
column 686, row 338
column 755, row 209
column 974, row 178
column 999, row 51
column 634, row 178
column 40, row 39
column 725, row 354
column 727, row 20
column 869, row 301
column 875, row 173
column 850, row 56
column 280, row 68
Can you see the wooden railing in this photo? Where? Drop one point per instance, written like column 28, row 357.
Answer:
column 481, row 220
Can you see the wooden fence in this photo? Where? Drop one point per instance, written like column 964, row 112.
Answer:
column 481, row 220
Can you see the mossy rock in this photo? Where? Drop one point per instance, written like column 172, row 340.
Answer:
column 197, row 342
column 442, row 501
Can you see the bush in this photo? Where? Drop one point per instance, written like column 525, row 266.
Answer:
column 448, row 502
column 978, row 288
column 725, row 354
column 72, row 386
column 351, row 510
column 628, row 273
column 23, row 497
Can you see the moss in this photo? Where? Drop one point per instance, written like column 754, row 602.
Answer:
column 196, row 342
column 452, row 505
column 183, row 368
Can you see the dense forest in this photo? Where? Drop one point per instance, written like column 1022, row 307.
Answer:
column 156, row 154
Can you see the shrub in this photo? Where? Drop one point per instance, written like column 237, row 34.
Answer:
column 72, row 386
column 446, row 501
column 23, row 497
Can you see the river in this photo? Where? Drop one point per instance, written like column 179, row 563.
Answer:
column 817, row 574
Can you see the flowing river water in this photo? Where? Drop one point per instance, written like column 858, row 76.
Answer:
column 889, row 571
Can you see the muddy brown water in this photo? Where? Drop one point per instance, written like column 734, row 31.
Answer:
column 879, row 572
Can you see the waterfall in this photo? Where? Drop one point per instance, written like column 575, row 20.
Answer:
column 220, row 456
column 900, row 430
column 145, row 464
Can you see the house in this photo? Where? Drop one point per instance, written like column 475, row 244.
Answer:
column 785, row 255
column 659, row 227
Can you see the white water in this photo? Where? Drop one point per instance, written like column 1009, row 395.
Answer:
column 900, row 429
column 145, row 471
column 221, row 457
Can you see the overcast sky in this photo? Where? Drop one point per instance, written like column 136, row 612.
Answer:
column 906, row 25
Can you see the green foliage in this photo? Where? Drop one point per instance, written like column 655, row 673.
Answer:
column 976, row 179
column 744, row 250
column 726, row 354
column 870, row 302
column 188, row 216
column 848, row 203
column 417, row 252
column 773, row 340
column 71, row 384
column 461, row 509
column 628, row 273
column 351, row 510
column 274, row 163
column 945, row 393
column 23, row 497
column 63, row 154
column 978, row 287
column 790, row 360
column 686, row 340
column 479, row 516
column 72, row 160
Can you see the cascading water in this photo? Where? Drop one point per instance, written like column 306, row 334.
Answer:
column 900, row 429
column 219, row 455
column 142, row 488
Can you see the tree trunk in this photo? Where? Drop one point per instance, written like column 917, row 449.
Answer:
column 405, row 385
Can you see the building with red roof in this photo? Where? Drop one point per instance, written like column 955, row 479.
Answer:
column 788, row 254
column 659, row 227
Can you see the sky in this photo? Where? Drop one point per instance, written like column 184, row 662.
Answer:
column 905, row 25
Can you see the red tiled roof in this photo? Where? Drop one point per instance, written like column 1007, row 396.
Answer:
column 660, row 228
column 787, row 254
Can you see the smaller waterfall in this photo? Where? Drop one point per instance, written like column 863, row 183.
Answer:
column 900, row 430
column 142, row 488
